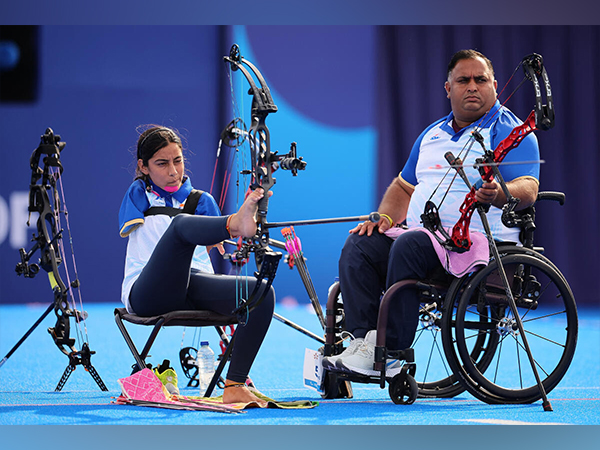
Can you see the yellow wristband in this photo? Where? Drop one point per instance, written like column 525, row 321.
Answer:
column 388, row 218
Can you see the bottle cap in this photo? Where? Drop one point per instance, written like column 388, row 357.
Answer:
column 203, row 343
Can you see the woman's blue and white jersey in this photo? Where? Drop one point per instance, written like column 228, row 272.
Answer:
column 422, row 170
column 145, row 232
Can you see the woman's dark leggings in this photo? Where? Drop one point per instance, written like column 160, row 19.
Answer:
column 167, row 284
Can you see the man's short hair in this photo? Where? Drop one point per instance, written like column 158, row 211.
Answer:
column 468, row 54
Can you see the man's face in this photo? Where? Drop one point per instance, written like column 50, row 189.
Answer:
column 471, row 89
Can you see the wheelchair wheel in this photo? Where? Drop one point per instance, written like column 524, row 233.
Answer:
column 403, row 389
column 547, row 309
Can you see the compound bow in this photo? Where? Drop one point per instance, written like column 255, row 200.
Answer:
column 263, row 163
column 44, row 200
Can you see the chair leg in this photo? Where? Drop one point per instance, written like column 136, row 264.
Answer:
column 151, row 339
column 139, row 358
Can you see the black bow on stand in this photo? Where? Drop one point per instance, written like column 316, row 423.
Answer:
column 44, row 199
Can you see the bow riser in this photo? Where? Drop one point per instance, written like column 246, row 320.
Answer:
column 460, row 232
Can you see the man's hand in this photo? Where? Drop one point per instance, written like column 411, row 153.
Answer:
column 367, row 227
column 487, row 193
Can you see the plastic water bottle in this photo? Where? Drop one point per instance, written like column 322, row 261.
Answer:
column 206, row 366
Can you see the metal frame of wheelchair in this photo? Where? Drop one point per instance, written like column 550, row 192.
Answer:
column 473, row 341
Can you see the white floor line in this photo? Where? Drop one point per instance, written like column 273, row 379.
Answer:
column 509, row 422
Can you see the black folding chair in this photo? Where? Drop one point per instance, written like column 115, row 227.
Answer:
column 177, row 319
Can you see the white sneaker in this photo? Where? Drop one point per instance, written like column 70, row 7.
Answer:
column 329, row 361
column 363, row 359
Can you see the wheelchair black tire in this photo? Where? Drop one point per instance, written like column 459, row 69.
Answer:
column 484, row 383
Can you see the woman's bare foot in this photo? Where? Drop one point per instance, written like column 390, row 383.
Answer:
column 243, row 222
column 239, row 393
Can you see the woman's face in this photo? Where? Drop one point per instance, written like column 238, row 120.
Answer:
column 165, row 168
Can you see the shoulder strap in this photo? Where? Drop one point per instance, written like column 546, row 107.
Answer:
column 191, row 203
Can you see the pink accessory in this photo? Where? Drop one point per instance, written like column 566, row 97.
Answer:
column 458, row 264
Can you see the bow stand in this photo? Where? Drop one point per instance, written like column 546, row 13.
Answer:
column 44, row 200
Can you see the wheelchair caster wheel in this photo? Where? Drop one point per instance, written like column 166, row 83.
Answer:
column 403, row 389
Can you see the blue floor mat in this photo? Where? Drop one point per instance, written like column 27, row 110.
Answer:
column 29, row 377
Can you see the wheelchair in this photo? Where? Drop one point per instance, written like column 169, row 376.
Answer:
column 467, row 337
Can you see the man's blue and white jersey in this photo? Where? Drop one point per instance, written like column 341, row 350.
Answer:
column 422, row 171
column 145, row 232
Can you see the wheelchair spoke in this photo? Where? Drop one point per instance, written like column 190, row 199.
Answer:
column 500, row 346
column 564, row 311
column 519, row 363
column 430, row 355
column 545, row 338
column 435, row 378
column 535, row 360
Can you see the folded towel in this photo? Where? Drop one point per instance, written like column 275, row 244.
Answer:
column 457, row 264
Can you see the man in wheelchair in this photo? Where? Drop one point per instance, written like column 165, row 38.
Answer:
column 376, row 255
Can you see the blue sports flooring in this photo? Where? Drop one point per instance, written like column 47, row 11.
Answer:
column 29, row 377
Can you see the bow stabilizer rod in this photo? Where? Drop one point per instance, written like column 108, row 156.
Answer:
column 373, row 217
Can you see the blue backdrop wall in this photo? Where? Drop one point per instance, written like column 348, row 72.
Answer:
column 332, row 85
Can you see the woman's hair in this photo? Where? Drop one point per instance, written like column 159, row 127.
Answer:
column 151, row 140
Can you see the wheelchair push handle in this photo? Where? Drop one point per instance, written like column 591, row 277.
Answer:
column 554, row 196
